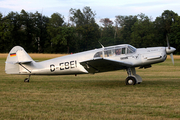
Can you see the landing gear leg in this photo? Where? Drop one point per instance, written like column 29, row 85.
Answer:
column 27, row 79
column 132, row 78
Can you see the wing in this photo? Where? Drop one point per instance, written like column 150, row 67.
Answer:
column 103, row 65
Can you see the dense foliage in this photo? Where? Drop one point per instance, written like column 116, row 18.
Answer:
column 38, row 33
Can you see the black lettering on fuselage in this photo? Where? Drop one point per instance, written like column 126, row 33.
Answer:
column 61, row 65
column 72, row 64
column 68, row 65
column 64, row 66
column 52, row 68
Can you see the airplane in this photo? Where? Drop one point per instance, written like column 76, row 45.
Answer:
column 104, row 59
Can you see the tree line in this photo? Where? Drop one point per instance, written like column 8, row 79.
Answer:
column 37, row 33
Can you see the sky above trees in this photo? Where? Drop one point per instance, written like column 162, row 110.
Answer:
column 102, row 8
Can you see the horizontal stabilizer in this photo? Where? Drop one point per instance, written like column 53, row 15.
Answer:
column 23, row 62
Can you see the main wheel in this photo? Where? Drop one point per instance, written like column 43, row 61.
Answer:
column 26, row 80
column 130, row 80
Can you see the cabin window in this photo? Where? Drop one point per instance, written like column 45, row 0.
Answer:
column 98, row 54
column 123, row 50
column 109, row 52
column 119, row 51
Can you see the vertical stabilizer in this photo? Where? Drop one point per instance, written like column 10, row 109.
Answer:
column 16, row 56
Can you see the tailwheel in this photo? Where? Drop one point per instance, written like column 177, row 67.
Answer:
column 26, row 80
column 130, row 80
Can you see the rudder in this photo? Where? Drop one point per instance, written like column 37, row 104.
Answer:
column 16, row 56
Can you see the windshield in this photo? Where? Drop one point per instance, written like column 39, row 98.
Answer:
column 109, row 52
column 131, row 49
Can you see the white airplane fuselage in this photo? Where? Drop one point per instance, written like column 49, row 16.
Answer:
column 93, row 61
column 70, row 64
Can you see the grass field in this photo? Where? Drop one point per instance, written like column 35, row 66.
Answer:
column 92, row 97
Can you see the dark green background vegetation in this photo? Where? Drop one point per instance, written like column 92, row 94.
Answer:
column 38, row 33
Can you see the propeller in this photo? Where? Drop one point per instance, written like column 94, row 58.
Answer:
column 167, row 42
column 170, row 50
column 172, row 58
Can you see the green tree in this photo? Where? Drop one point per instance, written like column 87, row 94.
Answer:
column 27, row 30
column 82, row 18
column 56, row 20
column 175, row 34
column 169, row 17
column 16, row 32
column 87, row 31
column 163, row 25
column 56, row 31
column 125, row 23
column 107, row 32
column 42, row 39
column 159, row 32
column 62, row 36
column 143, row 32
column 89, row 36
column 5, row 34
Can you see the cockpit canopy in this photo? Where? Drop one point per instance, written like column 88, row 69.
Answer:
column 115, row 50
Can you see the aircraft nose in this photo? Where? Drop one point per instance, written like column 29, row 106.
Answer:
column 171, row 50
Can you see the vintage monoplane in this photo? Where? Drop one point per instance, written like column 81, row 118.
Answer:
column 104, row 59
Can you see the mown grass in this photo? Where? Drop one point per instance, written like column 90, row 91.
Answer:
column 99, row 96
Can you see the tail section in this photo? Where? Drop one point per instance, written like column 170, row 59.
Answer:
column 16, row 57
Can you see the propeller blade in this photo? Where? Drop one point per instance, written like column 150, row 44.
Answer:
column 168, row 42
column 172, row 58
